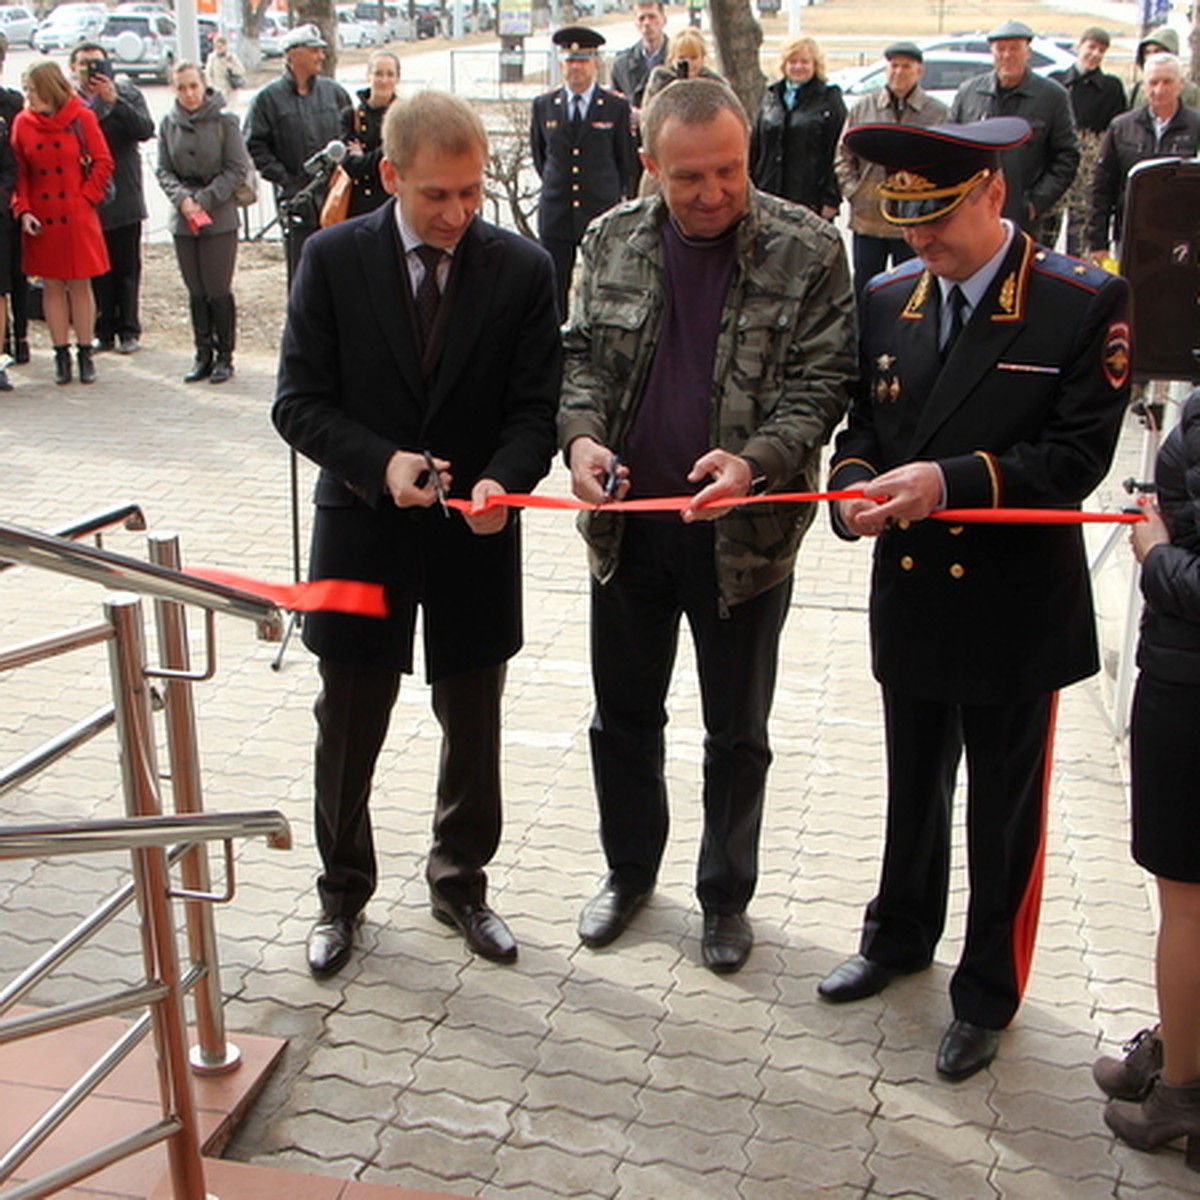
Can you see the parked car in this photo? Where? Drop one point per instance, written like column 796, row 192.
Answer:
column 68, row 25
column 350, row 33
column 947, row 65
column 271, row 33
column 207, row 27
column 18, row 24
column 386, row 22
column 142, row 45
column 427, row 21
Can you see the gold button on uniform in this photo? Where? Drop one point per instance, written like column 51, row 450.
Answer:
column 957, row 570
column 955, row 530
column 903, row 523
column 906, row 563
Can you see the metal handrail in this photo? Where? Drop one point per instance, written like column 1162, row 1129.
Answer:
column 120, row 571
column 129, row 515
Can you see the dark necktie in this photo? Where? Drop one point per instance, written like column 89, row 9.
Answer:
column 577, row 109
column 429, row 295
column 958, row 304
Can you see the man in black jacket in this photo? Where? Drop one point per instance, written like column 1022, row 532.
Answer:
column 1097, row 99
column 1041, row 170
column 125, row 122
column 632, row 66
column 289, row 121
column 421, row 344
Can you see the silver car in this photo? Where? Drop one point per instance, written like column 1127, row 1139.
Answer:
column 18, row 24
column 141, row 44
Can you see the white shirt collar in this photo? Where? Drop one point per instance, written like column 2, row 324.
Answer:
column 587, row 98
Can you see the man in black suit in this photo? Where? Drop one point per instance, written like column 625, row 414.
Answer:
column 994, row 373
column 421, row 354
column 583, row 149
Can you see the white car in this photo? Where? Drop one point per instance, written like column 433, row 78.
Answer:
column 350, row 33
column 18, row 24
column 271, row 34
column 144, row 45
column 949, row 61
column 68, row 25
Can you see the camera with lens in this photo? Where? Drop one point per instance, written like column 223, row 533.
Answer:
column 100, row 66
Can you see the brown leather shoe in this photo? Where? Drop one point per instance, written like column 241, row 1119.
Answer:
column 330, row 944
column 1166, row 1114
column 482, row 929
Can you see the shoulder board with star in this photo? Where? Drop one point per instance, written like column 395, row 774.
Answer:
column 1070, row 270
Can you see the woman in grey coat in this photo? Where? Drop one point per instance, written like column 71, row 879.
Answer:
column 201, row 162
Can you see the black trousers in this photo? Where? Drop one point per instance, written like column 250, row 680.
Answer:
column 668, row 571
column 353, row 711
column 1009, row 750
column 562, row 251
column 118, row 293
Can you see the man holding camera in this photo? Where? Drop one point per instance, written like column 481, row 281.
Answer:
column 125, row 122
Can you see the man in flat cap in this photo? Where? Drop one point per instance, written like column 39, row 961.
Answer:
column 1040, row 170
column 1096, row 99
column 289, row 121
column 583, row 149
column 901, row 101
column 993, row 373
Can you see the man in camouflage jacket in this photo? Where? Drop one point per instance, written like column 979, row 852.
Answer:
column 709, row 355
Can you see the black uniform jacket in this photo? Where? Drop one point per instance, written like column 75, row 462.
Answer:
column 586, row 169
column 353, row 389
column 1025, row 412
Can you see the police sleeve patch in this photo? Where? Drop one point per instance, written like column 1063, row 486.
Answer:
column 1115, row 355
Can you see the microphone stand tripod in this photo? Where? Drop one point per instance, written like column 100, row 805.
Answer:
column 291, row 219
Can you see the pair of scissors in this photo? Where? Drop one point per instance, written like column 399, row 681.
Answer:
column 612, row 480
column 436, row 479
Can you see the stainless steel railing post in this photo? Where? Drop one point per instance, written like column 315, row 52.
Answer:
column 135, row 735
column 212, row 1055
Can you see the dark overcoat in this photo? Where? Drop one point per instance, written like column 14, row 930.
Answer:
column 584, row 170
column 1024, row 413
column 352, row 391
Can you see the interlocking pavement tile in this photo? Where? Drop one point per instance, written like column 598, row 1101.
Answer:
column 609, row 998
column 833, row 1092
column 793, row 1189
column 465, row 1078
column 964, row 1143
column 809, row 1168
column 358, row 1062
column 571, row 1024
column 593, row 1062
column 939, row 1102
column 556, row 1172
column 926, row 1174
column 376, row 1031
column 707, row 1114
column 705, row 1077
column 453, row 1114
column 1162, row 1173
column 324, row 1136
column 1036, row 1183
column 1065, row 1047
column 483, row 1047
column 1048, row 1112
column 582, row 1096
column 813, row 1124
column 570, row 1132
column 674, row 1181
column 342, row 1099
column 1077, row 1155
column 440, row 1156
column 731, row 1047
column 1070, row 1082
column 496, row 1015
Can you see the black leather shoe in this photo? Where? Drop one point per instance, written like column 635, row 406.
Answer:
column 855, row 979
column 607, row 913
column 965, row 1049
column 485, row 932
column 330, row 944
column 727, row 942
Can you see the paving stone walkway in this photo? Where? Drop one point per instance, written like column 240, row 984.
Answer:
column 626, row 1073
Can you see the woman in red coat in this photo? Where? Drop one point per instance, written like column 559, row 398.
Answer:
column 63, row 169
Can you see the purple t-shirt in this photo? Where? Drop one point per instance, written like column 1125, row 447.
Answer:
column 672, row 425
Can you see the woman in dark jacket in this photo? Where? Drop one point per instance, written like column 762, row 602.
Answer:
column 797, row 131
column 201, row 162
column 362, row 131
column 1156, row 1089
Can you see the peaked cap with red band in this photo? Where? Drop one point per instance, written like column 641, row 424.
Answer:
column 932, row 170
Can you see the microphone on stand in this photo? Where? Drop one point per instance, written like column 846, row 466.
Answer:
column 328, row 156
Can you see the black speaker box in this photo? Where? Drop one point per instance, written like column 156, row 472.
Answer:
column 1160, row 256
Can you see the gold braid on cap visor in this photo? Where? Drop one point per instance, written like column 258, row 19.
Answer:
column 923, row 206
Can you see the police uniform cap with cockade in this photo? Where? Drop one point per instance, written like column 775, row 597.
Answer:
column 1011, row 29
column 904, row 50
column 930, row 171
column 578, row 41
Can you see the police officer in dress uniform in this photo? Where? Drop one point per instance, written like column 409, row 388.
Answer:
column 583, row 149
column 994, row 373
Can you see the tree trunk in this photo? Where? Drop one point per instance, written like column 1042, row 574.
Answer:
column 739, row 37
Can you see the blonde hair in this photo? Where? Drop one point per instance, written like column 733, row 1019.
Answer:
column 431, row 118
column 810, row 47
column 47, row 79
column 689, row 43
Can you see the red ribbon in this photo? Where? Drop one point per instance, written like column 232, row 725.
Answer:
column 368, row 600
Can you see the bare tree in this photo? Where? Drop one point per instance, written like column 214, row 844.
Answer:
column 509, row 178
column 739, row 39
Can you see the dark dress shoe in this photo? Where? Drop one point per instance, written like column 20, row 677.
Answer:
column 607, row 913
column 965, row 1049
column 855, row 979
column 330, row 944
column 484, row 930
column 128, row 345
column 728, row 939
